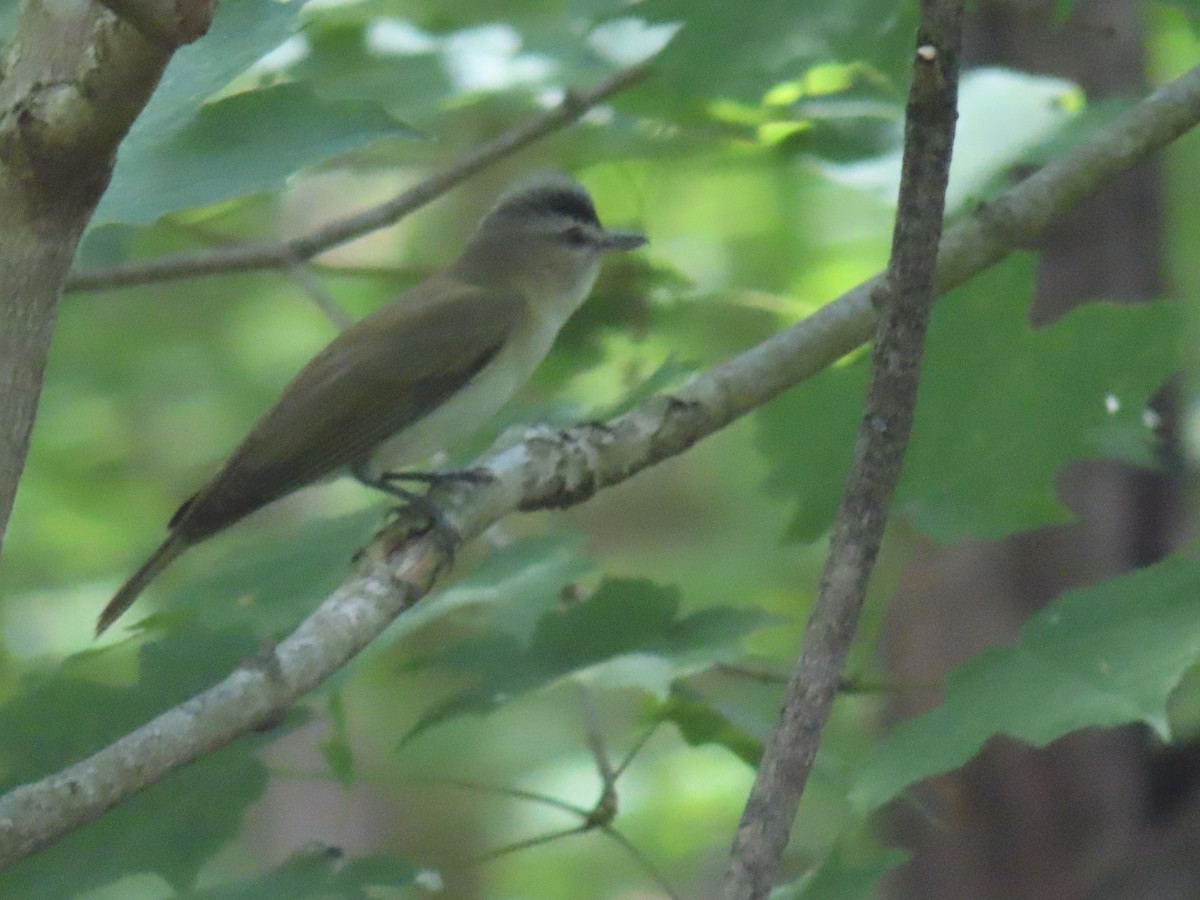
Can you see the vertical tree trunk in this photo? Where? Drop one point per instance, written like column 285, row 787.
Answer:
column 74, row 77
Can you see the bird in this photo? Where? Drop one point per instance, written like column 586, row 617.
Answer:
column 417, row 375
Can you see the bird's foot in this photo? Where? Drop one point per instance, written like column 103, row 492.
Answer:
column 418, row 514
column 435, row 479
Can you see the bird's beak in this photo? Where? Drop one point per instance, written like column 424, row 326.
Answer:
column 611, row 240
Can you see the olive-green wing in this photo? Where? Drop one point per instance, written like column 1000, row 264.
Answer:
column 377, row 377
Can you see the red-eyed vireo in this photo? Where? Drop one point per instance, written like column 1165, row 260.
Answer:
column 416, row 376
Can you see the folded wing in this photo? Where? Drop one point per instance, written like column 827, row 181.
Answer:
column 376, row 378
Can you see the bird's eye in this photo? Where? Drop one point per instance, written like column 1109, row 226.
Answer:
column 576, row 236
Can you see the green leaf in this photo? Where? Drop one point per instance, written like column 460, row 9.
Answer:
column 337, row 750
column 340, row 65
column 315, row 874
column 9, row 9
column 700, row 722
column 628, row 634
column 1191, row 9
column 242, row 32
column 248, row 142
column 671, row 374
column 172, row 827
column 373, row 871
column 1062, row 10
column 269, row 584
column 1102, row 656
column 740, row 50
column 808, row 435
column 340, row 757
column 994, row 423
column 512, row 589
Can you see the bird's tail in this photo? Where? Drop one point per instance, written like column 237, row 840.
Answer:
column 174, row 545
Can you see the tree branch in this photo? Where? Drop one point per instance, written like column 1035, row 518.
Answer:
column 74, row 78
column 166, row 23
column 903, row 299
column 287, row 254
column 555, row 469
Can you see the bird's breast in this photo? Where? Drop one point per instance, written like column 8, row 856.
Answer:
column 477, row 402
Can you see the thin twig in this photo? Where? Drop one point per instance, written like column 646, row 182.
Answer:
column 282, row 254
column 595, row 740
column 608, row 831
column 605, row 810
column 752, row 673
column 601, row 816
column 858, row 685
column 515, row 793
column 311, row 284
column 412, row 274
column 636, row 749
column 849, row 685
column 903, row 300
column 631, row 848
column 517, row 846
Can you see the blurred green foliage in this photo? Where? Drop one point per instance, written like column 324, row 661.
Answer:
column 968, row 473
column 1098, row 656
column 757, row 161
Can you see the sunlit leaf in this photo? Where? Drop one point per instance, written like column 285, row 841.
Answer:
column 1004, row 117
column 740, row 51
